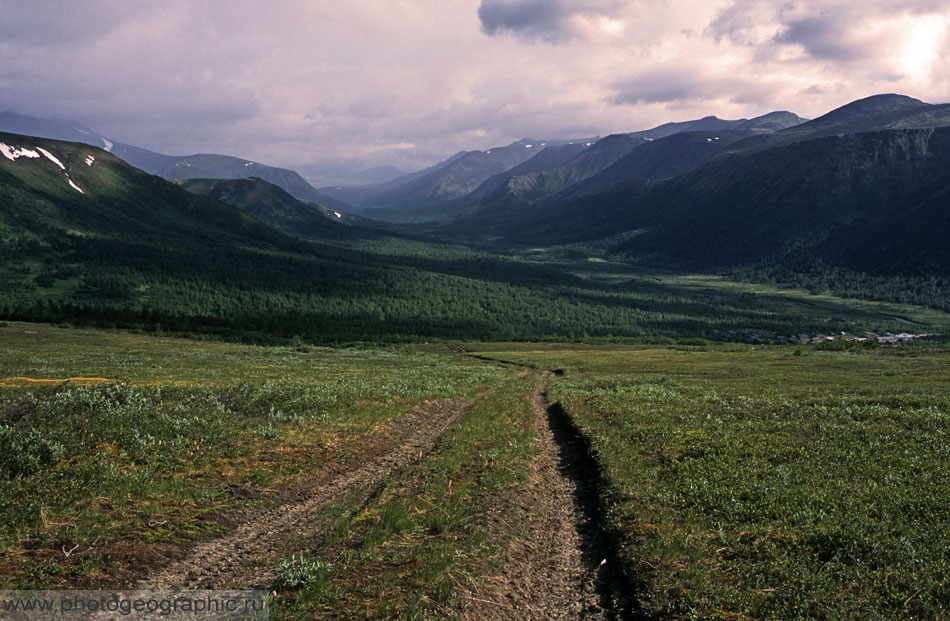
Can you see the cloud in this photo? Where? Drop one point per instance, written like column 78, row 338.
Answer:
column 552, row 21
column 844, row 32
column 306, row 81
column 824, row 37
column 60, row 25
column 678, row 83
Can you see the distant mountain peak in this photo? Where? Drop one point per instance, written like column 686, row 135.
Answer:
column 527, row 143
column 876, row 104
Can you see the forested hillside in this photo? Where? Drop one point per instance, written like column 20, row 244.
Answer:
column 131, row 249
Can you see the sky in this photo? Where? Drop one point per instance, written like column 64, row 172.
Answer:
column 407, row 83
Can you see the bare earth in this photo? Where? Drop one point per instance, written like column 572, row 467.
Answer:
column 545, row 575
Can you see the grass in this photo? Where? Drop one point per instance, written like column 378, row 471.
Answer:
column 422, row 539
column 751, row 482
column 140, row 458
column 744, row 481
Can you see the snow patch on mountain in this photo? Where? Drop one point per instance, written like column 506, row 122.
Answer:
column 107, row 145
column 12, row 153
column 51, row 157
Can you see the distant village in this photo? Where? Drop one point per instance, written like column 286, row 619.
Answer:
column 820, row 339
column 887, row 339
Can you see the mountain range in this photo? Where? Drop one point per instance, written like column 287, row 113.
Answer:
column 828, row 188
column 167, row 166
column 525, row 170
column 864, row 188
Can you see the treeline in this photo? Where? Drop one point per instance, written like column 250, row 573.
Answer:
column 329, row 294
column 816, row 276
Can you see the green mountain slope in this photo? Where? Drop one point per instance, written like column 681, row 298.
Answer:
column 210, row 166
column 275, row 207
column 79, row 191
column 114, row 246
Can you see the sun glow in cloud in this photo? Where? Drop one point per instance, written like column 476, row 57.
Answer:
column 921, row 40
column 612, row 26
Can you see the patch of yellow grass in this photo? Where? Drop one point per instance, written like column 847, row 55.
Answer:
column 33, row 380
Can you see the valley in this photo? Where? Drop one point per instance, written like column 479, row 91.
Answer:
column 693, row 371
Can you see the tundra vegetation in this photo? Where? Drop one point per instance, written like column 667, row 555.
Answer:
column 769, row 482
column 739, row 480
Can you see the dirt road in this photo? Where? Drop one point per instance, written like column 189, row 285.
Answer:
column 557, row 558
column 246, row 557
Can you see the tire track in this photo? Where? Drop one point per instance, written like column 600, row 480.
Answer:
column 560, row 561
column 246, row 557
column 545, row 575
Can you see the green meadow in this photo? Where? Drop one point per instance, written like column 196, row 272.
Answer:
column 769, row 482
column 739, row 481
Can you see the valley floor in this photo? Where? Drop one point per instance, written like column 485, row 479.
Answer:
column 481, row 480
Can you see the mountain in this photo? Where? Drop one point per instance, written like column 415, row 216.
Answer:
column 514, row 174
column 359, row 195
column 274, row 206
column 167, row 166
column 873, row 113
column 664, row 151
column 870, row 201
column 666, row 157
column 536, row 185
column 549, row 157
column 211, row 166
column 770, row 122
column 874, row 201
column 86, row 238
column 426, row 194
column 14, row 123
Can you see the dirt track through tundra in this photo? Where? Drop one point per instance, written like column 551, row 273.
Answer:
column 247, row 556
column 562, row 565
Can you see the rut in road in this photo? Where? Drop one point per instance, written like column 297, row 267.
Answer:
column 247, row 556
column 562, row 564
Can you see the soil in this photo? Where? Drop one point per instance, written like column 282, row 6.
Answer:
column 553, row 568
column 247, row 556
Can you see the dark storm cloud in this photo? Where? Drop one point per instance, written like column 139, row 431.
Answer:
column 548, row 20
column 535, row 17
column 656, row 88
column 675, row 83
column 667, row 84
column 823, row 37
